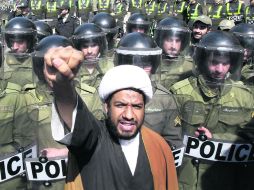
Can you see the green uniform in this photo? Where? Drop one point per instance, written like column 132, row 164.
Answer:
column 174, row 70
column 95, row 77
column 119, row 11
column 18, row 70
column 248, row 74
column 91, row 97
column 161, row 115
column 225, row 114
column 41, row 99
column 16, row 128
column 88, row 84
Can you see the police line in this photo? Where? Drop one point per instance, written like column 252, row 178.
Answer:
column 26, row 162
column 212, row 150
column 13, row 164
column 55, row 169
column 47, row 170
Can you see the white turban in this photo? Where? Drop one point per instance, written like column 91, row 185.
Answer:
column 125, row 76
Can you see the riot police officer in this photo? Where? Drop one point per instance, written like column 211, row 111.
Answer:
column 108, row 25
column 173, row 36
column 22, row 10
column 138, row 22
column 248, row 13
column 235, row 11
column 194, row 9
column 206, row 109
column 17, row 135
column 91, row 40
column 141, row 50
column 20, row 37
column 16, row 123
column 217, row 12
column 41, row 96
column 119, row 11
column 245, row 33
column 180, row 9
column 43, row 30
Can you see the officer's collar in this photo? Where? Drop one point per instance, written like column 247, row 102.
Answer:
column 209, row 92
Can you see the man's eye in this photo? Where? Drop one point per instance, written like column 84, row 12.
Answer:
column 137, row 107
column 119, row 105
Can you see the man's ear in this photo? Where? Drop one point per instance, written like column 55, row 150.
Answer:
column 105, row 107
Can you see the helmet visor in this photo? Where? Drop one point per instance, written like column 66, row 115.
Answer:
column 172, row 41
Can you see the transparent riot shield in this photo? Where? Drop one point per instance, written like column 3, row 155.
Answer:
column 225, row 111
column 175, row 70
column 17, row 135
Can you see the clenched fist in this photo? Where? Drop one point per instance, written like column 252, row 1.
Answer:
column 61, row 64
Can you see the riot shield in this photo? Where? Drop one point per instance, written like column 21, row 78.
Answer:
column 226, row 112
column 17, row 134
column 175, row 70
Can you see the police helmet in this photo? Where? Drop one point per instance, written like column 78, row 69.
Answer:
column 20, row 28
column 63, row 5
column 172, row 28
column 108, row 24
column 22, row 4
column 42, row 47
column 138, row 49
column 245, row 34
column 90, row 34
column 138, row 22
column 219, row 44
column 43, row 29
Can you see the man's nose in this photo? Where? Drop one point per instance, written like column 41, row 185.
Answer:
column 219, row 67
column 89, row 49
column 128, row 113
column 15, row 45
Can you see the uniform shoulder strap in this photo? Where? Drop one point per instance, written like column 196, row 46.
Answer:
column 175, row 87
column 87, row 88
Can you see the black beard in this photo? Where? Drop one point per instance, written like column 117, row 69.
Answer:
column 113, row 129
